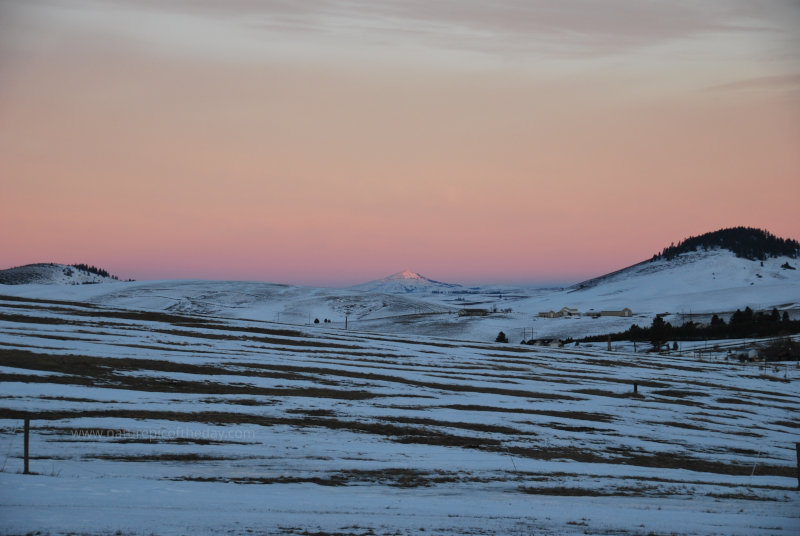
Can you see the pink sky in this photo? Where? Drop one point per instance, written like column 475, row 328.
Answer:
column 338, row 142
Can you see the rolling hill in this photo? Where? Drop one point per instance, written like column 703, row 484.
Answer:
column 714, row 280
column 54, row 274
column 239, row 299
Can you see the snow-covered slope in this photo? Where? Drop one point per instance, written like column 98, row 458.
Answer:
column 238, row 299
column 406, row 282
column 50, row 274
column 701, row 281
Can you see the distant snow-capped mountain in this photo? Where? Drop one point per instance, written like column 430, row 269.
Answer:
column 54, row 274
column 406, row 282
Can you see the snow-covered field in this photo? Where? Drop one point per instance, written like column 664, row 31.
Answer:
column 167, row 423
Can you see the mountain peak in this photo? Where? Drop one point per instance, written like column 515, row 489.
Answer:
column 407, row 274
column 405, row 282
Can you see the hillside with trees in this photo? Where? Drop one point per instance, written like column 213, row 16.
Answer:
column 745, row 242
column 53, row 273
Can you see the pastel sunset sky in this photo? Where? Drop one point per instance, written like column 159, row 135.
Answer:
column 335, row 142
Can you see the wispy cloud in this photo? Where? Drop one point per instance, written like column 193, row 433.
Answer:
column 777, row 83
column 510, row 27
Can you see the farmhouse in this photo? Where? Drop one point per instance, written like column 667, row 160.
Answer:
column 564, row 311
column 623, row 312
column 626, row 312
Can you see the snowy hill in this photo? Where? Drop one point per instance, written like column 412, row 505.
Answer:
column 714, row 280
column 699, row 282
column 406, row 282
column 239, row 299
column 743, row 242
column 53, row 274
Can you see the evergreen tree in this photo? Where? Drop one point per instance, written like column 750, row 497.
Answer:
column 658, row 332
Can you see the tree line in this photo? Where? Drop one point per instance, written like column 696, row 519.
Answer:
column 94, row 270
column 743, row 324
column 745, row 242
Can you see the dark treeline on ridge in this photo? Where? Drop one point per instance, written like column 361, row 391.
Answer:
column 94, row 270
column 742, row 325
column 745, row 242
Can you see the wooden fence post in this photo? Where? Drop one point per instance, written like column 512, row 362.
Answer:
column 797, row 447
column 27, row 435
